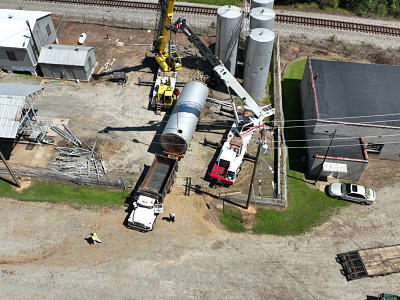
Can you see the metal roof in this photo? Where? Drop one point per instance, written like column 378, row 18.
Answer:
column 10, row 111
column 14, row 32
column 64, row 55
column 12, row 100
column 12, row 89
column 348, row 90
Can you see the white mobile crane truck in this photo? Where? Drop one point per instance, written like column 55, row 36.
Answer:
column 228, row 163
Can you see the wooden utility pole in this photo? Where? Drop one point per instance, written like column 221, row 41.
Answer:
column 10, row 170
column 326, row 153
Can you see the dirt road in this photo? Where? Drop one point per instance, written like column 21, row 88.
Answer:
column 43, row 254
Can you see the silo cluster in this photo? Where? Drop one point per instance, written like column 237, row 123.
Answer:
column 259, row 43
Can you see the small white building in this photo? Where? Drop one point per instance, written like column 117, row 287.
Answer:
column 22, row 35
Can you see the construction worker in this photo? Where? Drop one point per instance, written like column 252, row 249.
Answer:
column 172, row 217
column 95, row 239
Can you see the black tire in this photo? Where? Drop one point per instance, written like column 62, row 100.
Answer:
column 363, row 203
column 336, row 197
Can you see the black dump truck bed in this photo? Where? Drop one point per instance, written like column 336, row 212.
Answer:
column 370, row 262
column 160, row 177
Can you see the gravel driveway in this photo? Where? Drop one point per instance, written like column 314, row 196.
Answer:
column 43, row 254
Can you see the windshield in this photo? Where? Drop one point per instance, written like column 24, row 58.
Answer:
column 145, row 206
column 230, row 175
column 367, row 193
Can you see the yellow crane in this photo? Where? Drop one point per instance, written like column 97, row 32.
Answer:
column 167, row 60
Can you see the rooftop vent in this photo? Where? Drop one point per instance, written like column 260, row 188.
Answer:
column 50, row 46
column 76, row 48
column 10, row 16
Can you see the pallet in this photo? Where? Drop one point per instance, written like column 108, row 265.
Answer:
column 370, row 262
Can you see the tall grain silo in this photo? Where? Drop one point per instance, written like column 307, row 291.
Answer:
column 261, row 17
column 184, row 117
column 262, row 3
column 229, row 23
column 259, row 47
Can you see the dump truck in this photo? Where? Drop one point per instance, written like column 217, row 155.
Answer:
column 149, row 196
column 370, row 262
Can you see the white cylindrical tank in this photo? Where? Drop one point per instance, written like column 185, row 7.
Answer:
column 262, row 3
column 261, row 17
column 229, row 19
column 183, row 120
column 259, row 47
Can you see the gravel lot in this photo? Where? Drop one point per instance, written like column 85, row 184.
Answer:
column 43, row 254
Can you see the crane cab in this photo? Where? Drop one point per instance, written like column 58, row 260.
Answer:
column 163, row 61
column 165, row 95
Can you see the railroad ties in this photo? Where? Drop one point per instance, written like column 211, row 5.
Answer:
column 211, row 11
column 375, row 29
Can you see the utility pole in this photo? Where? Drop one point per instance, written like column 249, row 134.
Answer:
column 326, row 153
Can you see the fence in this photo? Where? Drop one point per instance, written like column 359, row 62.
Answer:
column 120, row 17
column 279, row 122
column 280, row 153
column 107, row 180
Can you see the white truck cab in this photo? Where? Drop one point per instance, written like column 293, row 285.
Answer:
column 143, row 216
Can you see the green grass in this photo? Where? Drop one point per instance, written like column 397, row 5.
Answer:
column 231, row 218
column 308, row 207
column 72, row 194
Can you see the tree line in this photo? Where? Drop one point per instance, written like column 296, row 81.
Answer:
column 379, row 8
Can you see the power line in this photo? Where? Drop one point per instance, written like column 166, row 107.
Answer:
column 328, row 139
column 304, row 126
column 287, row 147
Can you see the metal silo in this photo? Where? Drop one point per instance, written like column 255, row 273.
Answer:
column 229, row 23
column 262, row 3
column 260, row 43
column 183, row 119
column 261, row 17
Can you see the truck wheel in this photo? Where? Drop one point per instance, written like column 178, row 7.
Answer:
column 363, row 203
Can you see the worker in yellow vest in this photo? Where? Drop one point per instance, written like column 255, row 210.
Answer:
column 95, row 239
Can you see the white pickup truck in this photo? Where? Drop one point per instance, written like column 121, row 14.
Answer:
column 151, row 192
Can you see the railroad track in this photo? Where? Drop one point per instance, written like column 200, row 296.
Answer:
column 210, row 11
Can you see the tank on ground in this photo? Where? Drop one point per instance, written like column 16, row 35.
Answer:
column 229, row 21
column 184, row 117
column 261, row 17
column 259, row 47
column 262, row 3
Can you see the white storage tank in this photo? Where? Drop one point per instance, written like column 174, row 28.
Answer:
column 262, row 3
column 184, row 117
column 261, row 17
column 229, row 20
column 259, row 48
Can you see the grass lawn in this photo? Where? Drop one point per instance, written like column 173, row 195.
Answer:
column 308, row 207
column 231, row 218
column 73, row 194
